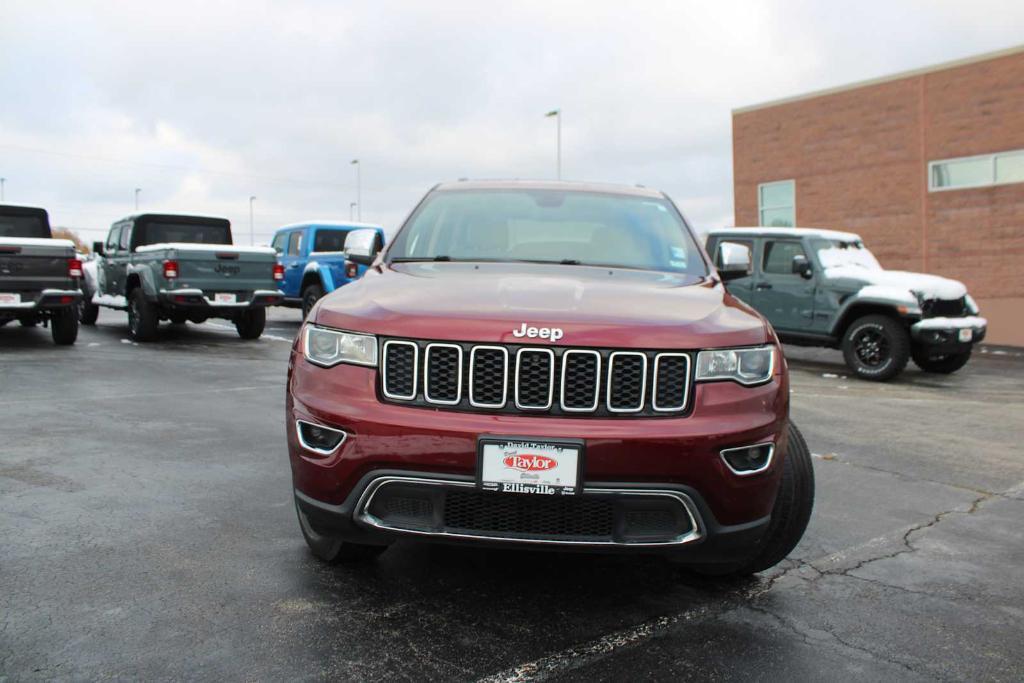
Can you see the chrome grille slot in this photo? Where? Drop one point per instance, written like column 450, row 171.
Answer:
column 536, row 380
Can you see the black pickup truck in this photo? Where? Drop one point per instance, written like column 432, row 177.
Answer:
column 39, row 275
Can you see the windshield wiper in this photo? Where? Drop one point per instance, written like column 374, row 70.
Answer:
column 413, row 259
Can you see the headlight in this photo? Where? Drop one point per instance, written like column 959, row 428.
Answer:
column 746, row 366
column 329, row 347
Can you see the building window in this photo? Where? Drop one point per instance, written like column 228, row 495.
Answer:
column 978, row 171
column 776, row 204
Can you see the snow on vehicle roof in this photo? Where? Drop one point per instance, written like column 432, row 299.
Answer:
column 789, row 232
column 187, row 246
column 36, row 242
column 329, row 224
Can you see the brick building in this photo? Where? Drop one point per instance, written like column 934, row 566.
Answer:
column 927, row 166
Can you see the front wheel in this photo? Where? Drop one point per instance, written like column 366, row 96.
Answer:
column 333, row 550
column 790, row 514
column 88, row 312
column 250, row 323
column 941, row 364
column 64, row 326
column 876, row 347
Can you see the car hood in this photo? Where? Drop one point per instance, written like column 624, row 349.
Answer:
column 920, row 284
column 600, row 307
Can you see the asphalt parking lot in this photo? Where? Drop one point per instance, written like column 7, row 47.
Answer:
column 147, row 531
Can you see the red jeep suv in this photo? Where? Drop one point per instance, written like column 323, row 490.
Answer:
column 546, row 365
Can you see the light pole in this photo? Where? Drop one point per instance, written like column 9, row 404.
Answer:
column 351, row 211
column 252, row 230
column 137, row 191
column 557, row 113
column 359, row 188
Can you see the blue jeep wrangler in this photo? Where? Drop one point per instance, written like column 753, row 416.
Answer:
column 313, row 256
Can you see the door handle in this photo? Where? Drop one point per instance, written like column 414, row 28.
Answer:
column 763, row 285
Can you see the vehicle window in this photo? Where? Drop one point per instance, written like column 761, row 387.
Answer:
column 295, row 243
column 126, row 236
column 159, row 232
column 729, row 245
column 778, row 256
column 839, row 253
column 23, row 226
column 552, row 226
column 329, row 240
column 113, row 238
column 279, row 241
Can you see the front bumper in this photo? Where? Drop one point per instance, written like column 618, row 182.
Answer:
column 949, row 335
column 196, row 299
column 660, row 455
column 46, row 299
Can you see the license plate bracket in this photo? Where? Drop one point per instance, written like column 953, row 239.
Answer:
column 225, row 298
column 9, row 298
column 965, row 334
column 530, row 465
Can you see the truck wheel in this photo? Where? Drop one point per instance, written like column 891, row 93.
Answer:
column 333, row 550
column 310, row 295
column 876, row 347
column 143, row 318
column 64, row 326
column 942, row 364
column 790, row 514
column 250, row 323
column 87, row 311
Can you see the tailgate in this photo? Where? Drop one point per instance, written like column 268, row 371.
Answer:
column 226, row 270
column 33, row 265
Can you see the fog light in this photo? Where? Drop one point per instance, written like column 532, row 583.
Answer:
column 318, row 438
column 748, row 460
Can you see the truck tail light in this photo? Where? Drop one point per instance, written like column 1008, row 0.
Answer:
column 278, row 272
column 74, row 267
column 170, row 269
column 351, row 269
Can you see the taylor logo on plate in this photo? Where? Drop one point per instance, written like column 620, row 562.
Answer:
column 552, row 333
column 529, row 463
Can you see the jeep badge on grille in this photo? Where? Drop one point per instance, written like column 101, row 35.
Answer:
column 552, row 333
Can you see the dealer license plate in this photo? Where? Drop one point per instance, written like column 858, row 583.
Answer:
column 966, row 334
column 9, row 299
column 223, row 298
column 513, row 465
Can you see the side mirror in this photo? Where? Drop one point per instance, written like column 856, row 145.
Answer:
column 735, row 261
column 361, row 246
column 97, row 248
column 802, row 267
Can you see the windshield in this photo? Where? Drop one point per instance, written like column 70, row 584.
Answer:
column 549, row 226
column 834, row 253
column 23, row 226
column 191, row 233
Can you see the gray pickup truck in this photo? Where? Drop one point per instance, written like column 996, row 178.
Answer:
column 824, row 288
column 39, row 276
column 181, row 268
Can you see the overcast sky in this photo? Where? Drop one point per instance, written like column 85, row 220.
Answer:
column 202, row 104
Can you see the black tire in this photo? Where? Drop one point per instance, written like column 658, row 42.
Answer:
column 790, row 514
column 143, row 317
column 64, row 326
column 941, row 364
column 333, row 550
column 876, row 347
column 250, row 323
column 310, row 295
column 87, row 311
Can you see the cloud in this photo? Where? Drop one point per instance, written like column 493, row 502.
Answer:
column 203, row 104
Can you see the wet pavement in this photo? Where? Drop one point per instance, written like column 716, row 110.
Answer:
column 147, row 531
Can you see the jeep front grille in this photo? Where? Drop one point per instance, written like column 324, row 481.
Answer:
column 944, row 308
column 535, row 380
